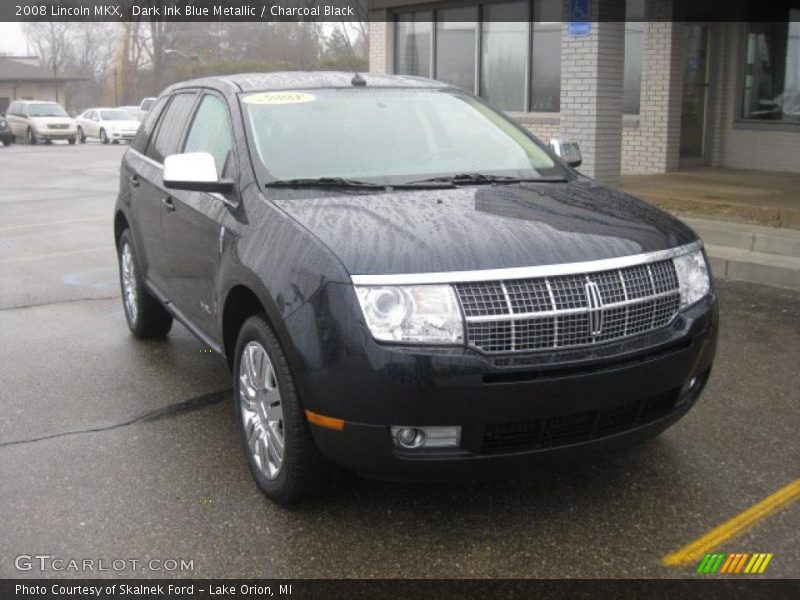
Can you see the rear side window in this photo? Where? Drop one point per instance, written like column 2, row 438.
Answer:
column 171, row 126
column 211, row 131
column 140, row 141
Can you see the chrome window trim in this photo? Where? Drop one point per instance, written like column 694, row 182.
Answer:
column 146, row 158
column 593, row 266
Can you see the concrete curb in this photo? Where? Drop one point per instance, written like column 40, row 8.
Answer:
column 751, row 253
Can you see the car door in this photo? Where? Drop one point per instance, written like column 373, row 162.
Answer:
column 193, row 228
column 145, row 179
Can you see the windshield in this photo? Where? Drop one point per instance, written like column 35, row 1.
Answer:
column 387, row 136
column 116, row 115
column 46, row 110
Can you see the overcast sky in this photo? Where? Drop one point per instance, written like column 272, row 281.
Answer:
column 11, row 39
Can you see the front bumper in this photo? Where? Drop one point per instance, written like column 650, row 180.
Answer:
column 123, row 135
column 56, row 134
column 512, row 417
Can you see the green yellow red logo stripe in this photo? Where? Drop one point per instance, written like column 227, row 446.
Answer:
column 734, row 563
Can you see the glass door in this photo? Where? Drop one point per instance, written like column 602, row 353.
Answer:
column 694, row 106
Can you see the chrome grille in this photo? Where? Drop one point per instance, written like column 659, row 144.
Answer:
column 564, row 311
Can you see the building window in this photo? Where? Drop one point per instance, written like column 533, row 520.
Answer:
column 504, row 54
column 772, row 71
column 456, row 30
column 413, row 33
column 632, row 76
column 520, row 59
column 546, row 56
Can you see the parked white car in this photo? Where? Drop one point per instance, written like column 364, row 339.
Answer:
column 107, row 125
column 36, row 121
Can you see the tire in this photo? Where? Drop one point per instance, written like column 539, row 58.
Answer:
column 81, row 135
column 103, row 136
column 72, row 141
column 31, row 137
column 145, row 315
column 303, row 472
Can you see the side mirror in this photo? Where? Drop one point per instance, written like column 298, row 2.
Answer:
column 570, row 152
column 194, row 172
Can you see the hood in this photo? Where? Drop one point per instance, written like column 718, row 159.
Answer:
column 482, row 227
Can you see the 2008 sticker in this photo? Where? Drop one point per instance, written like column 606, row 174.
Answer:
column 279, row 98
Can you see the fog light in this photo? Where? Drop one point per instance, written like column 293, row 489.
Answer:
column 426, row 437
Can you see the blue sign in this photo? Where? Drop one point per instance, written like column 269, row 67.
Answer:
column 580, row 14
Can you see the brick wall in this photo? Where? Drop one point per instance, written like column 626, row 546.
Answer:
column 591, row 91
column 651, row 142
column 380, row 45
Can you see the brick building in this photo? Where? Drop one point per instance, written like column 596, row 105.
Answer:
column 645, row 86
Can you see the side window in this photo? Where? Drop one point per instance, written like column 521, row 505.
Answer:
column 211, row 131
column 143, row 135
column 14, row 108
column 171, row 126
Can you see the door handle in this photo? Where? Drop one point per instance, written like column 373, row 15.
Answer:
column 134, row 180
column 169, row 205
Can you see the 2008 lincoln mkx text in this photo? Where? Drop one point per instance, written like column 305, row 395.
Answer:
column 403, row 281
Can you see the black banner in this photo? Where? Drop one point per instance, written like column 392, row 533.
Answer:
column 387, row 589
column 379, row 10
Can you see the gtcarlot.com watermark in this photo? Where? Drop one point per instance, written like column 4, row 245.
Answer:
column 59, row 564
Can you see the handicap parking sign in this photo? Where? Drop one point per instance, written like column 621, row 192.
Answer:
column 580, row 24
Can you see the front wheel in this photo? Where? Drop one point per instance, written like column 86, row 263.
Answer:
column 81, row 135
column 31, row 137
column 103, row 136
column 146, row 317
column 280, row 450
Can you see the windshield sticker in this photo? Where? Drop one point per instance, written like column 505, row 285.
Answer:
column 279, row 98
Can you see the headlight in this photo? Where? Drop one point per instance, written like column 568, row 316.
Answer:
column 693, row 277
column 425, row 313
column 2, row 124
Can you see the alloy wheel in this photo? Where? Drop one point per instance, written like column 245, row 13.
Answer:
column 261, row 409
column 129, row 283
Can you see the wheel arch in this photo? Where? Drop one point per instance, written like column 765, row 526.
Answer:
column 241, row 303
column 120, row 225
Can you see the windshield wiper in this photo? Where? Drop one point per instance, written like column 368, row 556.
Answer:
column 324, row 182
column 483, row 178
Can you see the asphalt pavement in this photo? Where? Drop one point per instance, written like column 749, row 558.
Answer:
column 112, row 448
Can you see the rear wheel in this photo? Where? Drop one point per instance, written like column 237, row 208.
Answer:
column 280, row 450
column 146, row 317
column 72, row 141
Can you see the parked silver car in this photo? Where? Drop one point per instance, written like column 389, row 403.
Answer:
column 37, row 120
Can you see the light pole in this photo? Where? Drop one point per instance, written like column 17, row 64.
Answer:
column 55, row 77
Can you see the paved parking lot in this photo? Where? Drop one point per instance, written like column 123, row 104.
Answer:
column 83, row 476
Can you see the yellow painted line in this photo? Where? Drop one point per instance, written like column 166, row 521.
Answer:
column 730, row 529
